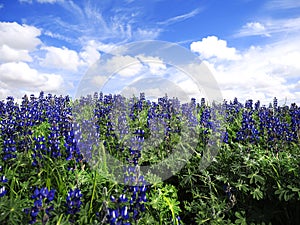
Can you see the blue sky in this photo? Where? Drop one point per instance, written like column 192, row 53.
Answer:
column 252, row 47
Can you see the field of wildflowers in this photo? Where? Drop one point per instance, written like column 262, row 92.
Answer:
column 95, row 160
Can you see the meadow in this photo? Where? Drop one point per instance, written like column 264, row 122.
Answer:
column 107, row 159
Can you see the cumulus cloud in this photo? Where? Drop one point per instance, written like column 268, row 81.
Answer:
column 120, row 63
column 20, row 47
column 91, row 52
column 131, row 70
column 19, row 36
column 132, row 75
column 18, row 77
column 98, row 80
column 261, row 73
column 16, row 41
column 213, row 47
column 155, row 65
column 61, row 58
column 155, row 88
column 8, row 54
column 157, row 68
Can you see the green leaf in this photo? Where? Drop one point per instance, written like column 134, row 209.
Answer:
column 255, row 178
column 294, row 189
column 241, row 219
column 242, row 187
column 257, row 194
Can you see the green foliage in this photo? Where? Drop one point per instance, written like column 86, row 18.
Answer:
column 244, row 183
column 164, row 203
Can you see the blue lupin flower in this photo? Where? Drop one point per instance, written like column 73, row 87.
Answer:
column 125, row 212
column 73, row 201
column 3, row 191
column 3, row 179
column 42, row 197
column 123, row 198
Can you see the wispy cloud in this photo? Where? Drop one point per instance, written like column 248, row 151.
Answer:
column 91, row 21
column 254, row 28
column 58, row 36
column 48, row 1
column 40, row 1
column 269, row 27
column 182, row 17
column 73, row 8
column 282, row 4
column 88, row 29
column 26, row 1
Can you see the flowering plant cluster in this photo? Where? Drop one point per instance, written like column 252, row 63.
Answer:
column 97, row 160
column 42, row 198
column 2, row 180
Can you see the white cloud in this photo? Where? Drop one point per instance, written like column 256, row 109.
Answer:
column 189, row 87
column 155, row 88
column 48, row 1
column 40, row 1
column 18, row 77
column 102, row 47
column 255, row 28
column 91, row 52
column 118, row 68
column 120, row 62
column 155, row 65
column 20, row 44
column 61, row 58
column 58, row 36
column 180, row 17
column 131, row 70
column 19, row 36
column 261, row 73
column 145, row 73
column 98, row 80
column 145, row 34
column 282, row 4
column 170, row 79
column 157, row 68
column 269, row 27
column 213, row 47
column 16, row 41
column 8, row 54
column 25, row 1
column 19, row 74
column 93, row 23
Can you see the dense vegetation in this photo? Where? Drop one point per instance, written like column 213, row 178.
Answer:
column 96, row 161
